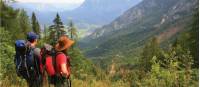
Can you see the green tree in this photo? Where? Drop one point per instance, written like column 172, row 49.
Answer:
column 189, row 40
column 24, row 24
column 8, row 74
column 73, row 31
column 7, row 15
column 56, row 30
column 9, row 19
column 151, row 49
column 81, row 67
column 35, row 24
column 45, row 33
column 194, row 39
column 177, row 72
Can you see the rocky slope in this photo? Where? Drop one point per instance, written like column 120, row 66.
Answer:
column 150, row 18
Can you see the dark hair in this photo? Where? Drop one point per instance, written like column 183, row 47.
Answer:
column 65, row 52
column 32, row 40
column 31, row 37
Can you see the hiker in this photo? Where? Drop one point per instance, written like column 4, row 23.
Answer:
column 27, row 60
column 48, row 63
column 63, row 62
column 56, row 62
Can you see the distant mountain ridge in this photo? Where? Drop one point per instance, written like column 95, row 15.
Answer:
column 160, row 18
column 90, row 12
column 139, row 12
column 101, row 11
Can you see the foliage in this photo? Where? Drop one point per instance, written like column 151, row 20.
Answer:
column 189, row 39
column 56, row 30
column 35, row 24
column 14, row 25
column 24, row 24
column 172, row 74
column 151, row 49
column 14, row 21
column 73, row 31
column 81, row 67
column 8, row 76
column 173, row 66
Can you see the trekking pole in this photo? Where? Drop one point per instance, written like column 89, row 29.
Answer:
column 27, row 70
column 68, row 83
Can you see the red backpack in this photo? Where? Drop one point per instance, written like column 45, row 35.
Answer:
column 49, row 60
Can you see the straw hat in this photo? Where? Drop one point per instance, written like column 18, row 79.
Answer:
column 63, row 43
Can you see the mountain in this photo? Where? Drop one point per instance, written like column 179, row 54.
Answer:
column 90, row 12
column 127, row 34
column 100, row 11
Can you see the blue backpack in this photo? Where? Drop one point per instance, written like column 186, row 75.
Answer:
column 24, row 59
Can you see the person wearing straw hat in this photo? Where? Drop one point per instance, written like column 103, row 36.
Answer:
column 63, row 61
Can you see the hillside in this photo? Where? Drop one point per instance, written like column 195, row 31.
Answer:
column 129, row 32
column 100, row 11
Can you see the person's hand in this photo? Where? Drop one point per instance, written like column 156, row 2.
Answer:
column 68, row 76
column 65, row 75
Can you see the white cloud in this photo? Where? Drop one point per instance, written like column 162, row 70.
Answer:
column 49, row 5
column 52, row 1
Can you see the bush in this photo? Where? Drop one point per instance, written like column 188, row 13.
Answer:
column 8, row 75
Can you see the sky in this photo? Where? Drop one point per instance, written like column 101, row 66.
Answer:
column 48, row 5
column 52, row 1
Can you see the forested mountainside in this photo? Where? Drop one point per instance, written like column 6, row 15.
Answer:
column 149, row 43
column 150, row 18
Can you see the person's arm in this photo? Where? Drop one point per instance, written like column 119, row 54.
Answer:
column 37, row 57
column 63, row 65
column 64, row 70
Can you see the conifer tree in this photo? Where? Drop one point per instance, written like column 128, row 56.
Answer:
column 150, row 50
column 194, row 39
column 189, row 40
column 24, row 23
column 45, row 33
column 35, row 24
column 57, row 29
column 73, row 31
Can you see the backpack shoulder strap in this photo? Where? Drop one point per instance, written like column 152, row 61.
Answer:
column 54, row 60
column 57, row 53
